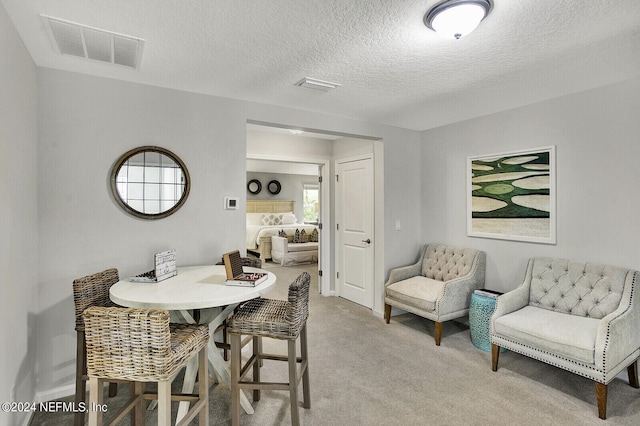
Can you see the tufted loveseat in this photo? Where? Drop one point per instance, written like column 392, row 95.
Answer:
column 438, row 286
column 581, row 317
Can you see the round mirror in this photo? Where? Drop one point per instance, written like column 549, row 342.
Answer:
column 150, row 182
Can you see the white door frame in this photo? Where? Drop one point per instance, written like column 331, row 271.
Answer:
column 325, row 213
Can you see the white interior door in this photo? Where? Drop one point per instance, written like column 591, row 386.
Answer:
column 354, row 213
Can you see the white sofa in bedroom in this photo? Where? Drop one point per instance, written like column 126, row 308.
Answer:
column 268, row 217
column 288, row 253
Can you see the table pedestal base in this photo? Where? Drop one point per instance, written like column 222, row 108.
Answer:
column 214, row 317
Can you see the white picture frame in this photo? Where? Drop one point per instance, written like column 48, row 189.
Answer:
column 512, row 195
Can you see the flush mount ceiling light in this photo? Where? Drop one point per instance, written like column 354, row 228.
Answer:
column 316, row 84
column 457, row 18
column 70, row 38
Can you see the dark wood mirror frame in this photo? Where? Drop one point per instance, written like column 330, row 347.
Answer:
column 115, row 171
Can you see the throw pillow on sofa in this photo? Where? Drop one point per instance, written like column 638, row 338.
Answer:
column 300, row 236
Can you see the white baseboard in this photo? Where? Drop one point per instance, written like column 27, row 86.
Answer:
column 56, row 393
column 48, row 395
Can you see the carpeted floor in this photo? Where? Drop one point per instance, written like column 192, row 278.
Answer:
column 365, row 372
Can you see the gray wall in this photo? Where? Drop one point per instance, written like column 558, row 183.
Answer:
column 597, row 151
column 86, row 123
column 18, row 221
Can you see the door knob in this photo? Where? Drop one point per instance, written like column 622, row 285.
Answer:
column 368, row 241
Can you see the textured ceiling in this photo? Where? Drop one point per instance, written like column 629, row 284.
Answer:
column 392, row 69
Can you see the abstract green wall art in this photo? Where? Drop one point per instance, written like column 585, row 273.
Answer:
column 512, row 195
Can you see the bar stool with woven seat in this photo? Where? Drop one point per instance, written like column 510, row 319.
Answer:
column 92, row 290
column 277, row 319
column 141, row 346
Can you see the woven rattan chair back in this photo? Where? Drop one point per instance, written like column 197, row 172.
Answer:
column 298, row 307
column 278, row 319
column 140, row 345
column 92, row 290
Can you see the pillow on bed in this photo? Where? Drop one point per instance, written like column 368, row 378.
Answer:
column 254, row 218
column 271, row 219
column 288, row 218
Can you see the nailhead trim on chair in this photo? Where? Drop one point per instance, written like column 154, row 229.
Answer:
column 472, row 271
column 564, row 367
column 606, row 344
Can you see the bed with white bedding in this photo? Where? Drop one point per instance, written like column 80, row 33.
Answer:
column 266, row 218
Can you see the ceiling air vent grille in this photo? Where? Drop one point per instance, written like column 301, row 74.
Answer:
column 314, row 83
column 69, row 38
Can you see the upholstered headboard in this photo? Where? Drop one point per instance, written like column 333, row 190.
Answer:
column 270, row 206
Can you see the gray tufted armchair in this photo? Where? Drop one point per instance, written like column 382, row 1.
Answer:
column 438, row 286
column 581, row 317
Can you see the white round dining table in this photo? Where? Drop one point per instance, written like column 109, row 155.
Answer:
column 194, row 287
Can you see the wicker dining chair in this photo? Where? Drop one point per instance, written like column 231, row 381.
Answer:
column 277, row 319
column 91, row 290
column 141, row 346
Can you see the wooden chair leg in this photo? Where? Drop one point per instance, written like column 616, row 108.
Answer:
column 601, row 396
column 387, row 313
column 304, row 355
column 293, row 383
column 164, row 403
column 236, row 359
column 225, row 340
column 438, row 333
column 632, row 371
column 138, row 413
column 257, row 349
column 495, row 355
column 113, row 390
column 96, row 389
column 81, row 384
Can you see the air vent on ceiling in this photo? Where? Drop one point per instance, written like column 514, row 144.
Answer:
column 70, row 38
column 313, row 83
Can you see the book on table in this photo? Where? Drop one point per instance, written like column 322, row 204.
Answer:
column 236, row 274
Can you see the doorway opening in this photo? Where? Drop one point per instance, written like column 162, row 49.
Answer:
column 273, row 150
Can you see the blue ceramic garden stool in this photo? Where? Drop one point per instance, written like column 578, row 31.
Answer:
column 480, row 310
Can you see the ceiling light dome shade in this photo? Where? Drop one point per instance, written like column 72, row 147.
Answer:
column 457, row 18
